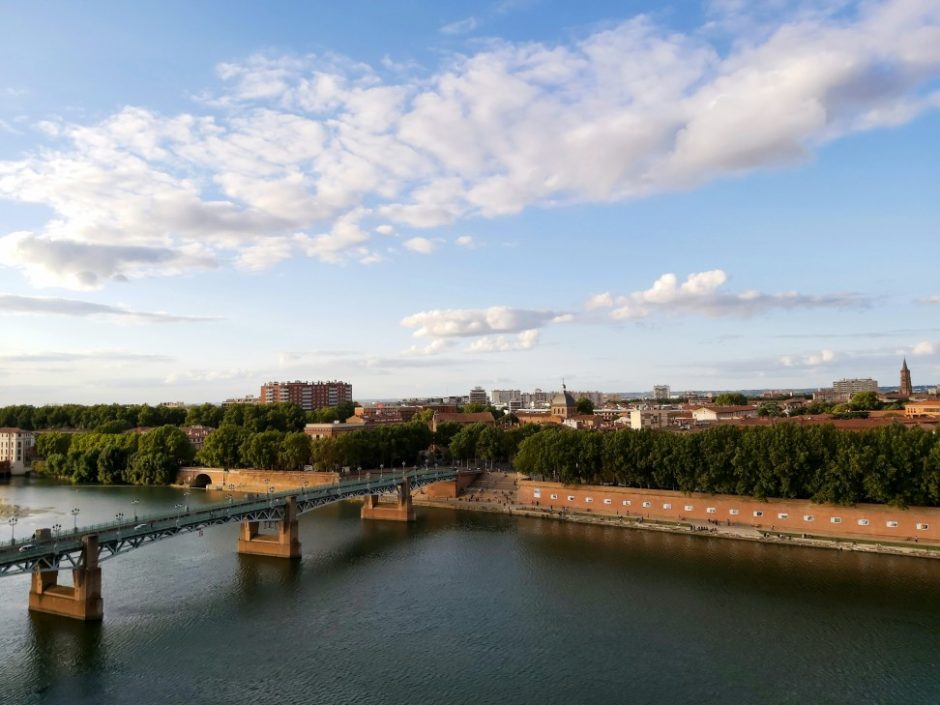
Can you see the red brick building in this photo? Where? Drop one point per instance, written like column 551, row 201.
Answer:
column 307, row 395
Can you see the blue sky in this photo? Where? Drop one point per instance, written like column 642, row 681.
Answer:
column 421, row 197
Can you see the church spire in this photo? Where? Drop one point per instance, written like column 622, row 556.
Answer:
column 906, row 389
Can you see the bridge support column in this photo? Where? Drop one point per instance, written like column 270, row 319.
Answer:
column 283, row 544
column 82, row 600
column 403, row 510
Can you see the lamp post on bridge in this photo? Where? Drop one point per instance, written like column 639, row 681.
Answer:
column 270, row 496
column 75, row 511
column 135, row 502
column 179, row 509
column 119, row 517
column 56, row 529
column 12, row 523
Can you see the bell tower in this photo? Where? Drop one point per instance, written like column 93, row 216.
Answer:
column 905, row 390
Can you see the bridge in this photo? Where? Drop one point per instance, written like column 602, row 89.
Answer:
column 86, row 547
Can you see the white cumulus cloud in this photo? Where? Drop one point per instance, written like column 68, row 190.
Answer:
column 421, row 245
column 325, row 150
column 526, row 340
column 702, row 294
column 457, row 322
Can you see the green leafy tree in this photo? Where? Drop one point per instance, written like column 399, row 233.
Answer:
column 170, row 441
column 151, row 468
column 260, row 450
column 52, row 442
column 222, row 447
column 584, row 406
column 731, row 399
column 112, row 464
column 864, row 401
column 295, row 451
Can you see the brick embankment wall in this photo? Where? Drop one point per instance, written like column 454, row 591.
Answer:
column 862, row 521
column 254, row 480
column 450, row 489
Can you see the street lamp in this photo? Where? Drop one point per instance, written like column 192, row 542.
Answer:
column 56, row 529
column 12, row 523
column 135, row 502
column 75, row 511
column 119, row 517
column 270, row 496
column 179, row 509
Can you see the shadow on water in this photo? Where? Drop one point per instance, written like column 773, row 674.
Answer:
column 60, row 651
column 744, row 567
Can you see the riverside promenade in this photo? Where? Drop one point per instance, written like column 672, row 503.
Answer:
column 510, row 493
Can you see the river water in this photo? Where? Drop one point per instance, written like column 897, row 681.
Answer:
column 469, row 608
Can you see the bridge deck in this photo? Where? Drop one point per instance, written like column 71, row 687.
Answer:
column 65, row 549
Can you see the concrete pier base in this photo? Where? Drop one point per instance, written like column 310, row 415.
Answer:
column 285, row 543
column 403, row 510
column 82, row 600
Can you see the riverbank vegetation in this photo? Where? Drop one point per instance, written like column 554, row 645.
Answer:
column 892, row 465
column 150, row 458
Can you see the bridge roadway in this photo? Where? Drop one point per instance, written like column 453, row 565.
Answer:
column 65, row 550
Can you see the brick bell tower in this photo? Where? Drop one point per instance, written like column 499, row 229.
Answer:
column 905, row 390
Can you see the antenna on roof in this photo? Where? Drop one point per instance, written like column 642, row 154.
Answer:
column 563, row 387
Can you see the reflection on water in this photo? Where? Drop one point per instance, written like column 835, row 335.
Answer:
column 471, row 608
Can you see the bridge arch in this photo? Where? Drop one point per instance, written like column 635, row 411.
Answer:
column 202, row 480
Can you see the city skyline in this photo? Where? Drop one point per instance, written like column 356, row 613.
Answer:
column 432, row 198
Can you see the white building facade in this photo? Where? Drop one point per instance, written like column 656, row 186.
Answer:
column 16, row 448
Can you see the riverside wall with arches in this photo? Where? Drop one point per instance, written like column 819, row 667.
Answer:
column 793, row 516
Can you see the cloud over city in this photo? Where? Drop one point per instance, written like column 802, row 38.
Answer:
column 702, row 294
column 309, row 156
column 491, row 327
column 12, row 303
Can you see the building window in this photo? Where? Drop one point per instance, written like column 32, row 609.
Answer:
column 733, row 512
column 688, row 507
column 588, row 500
column 758, row 513
column 667, row 506
column 923, row 527
column 783, row 515
column 891, row 524
column 711, row 510
column 570, row 497
column 626, row 502
column 554, row 496
column 647, row 504
column 607, row 501
column 835, row 520
column 864, row 522
column 808, row 517
column 537, row 493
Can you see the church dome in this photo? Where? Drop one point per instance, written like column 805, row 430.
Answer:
column 564, row 398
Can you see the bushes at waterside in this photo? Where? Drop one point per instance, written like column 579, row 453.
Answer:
column 893, row 464
column 150, row 458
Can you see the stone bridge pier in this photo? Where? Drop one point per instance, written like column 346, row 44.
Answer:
column 402, row 510
column 284, row 543
column 82, row 600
